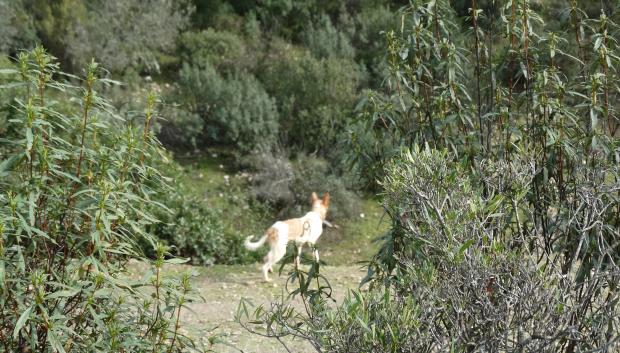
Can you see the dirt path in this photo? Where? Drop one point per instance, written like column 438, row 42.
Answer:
column 222, row 287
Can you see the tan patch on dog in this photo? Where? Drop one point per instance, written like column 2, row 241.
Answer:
column 272, row 236
column 295, row 228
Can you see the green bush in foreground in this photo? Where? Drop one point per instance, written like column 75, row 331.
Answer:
column 74, row 186
column 509, row 241
column 461, row 270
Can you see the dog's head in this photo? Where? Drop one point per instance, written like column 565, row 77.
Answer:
column 320, row 205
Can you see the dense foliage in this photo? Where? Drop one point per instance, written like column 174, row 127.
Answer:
column 497, row 154
column 489, row 128
column 286, row 185
column 76, row 184
column 253, row 78
column 108, row 32
column 193, row 229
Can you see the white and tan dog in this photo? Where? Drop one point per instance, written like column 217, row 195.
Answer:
column 306, row 229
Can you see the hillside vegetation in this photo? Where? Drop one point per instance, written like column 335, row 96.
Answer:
column 476, row 141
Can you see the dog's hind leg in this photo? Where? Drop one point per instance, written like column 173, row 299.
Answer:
column 269, row 261
column 279, row 252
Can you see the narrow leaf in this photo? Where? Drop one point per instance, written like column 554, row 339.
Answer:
column 21, row 322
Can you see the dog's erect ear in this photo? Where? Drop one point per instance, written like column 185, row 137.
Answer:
column 326, row 199
column 313, row 197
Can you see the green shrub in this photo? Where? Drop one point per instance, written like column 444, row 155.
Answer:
column 236, row 111
column 369, row 149
column 16, row 26
column 324, row 40
column 245, row 115
column 315, row 96
column 251, row 28
column 205, row 224
column 137, row 33
column 75, row 188
column 53, row 23
column 195, row 230
column 371, row 25
column 287, row 18
column 287, row 185
column 209, row 11
column 225, row 51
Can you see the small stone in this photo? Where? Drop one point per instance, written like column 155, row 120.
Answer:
column 362, row 215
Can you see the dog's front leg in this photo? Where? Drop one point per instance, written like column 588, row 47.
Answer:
column 298, row 258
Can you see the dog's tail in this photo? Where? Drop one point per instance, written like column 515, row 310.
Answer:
column 253, row 246
column 271, row 234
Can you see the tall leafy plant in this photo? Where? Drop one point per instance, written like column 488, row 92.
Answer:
column 75, row 184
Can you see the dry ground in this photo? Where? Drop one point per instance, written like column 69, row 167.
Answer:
column 223, row 287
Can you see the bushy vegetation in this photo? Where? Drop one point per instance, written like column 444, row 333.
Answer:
column 16, row 27
column 123, row 45
column 235, row 111
column 76, row 185
column 488, row 128
column 255, row 77
column 496, row 153
column 316, row 96
column 194, row 229
column 287, row 185
column 226, row 51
